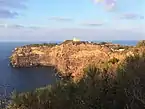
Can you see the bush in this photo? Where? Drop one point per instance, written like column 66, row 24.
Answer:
column 103, row 43
column 122, row 47
column 113, row 60
column 44, row 44
column 131, row 79
column 141, row 43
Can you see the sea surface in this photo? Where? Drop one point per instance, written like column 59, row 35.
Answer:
column 24, row 79
column 27, row 79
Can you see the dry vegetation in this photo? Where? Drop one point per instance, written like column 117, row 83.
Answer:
column 70, row 58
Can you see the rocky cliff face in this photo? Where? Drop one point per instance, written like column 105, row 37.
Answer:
column 69, row 57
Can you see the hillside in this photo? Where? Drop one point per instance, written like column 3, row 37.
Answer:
column 69, row 57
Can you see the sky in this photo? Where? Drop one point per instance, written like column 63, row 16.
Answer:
column 57, row 20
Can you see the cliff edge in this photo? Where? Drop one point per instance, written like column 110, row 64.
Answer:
column 69, row 57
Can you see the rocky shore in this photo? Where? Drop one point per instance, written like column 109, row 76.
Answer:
column 69, row 57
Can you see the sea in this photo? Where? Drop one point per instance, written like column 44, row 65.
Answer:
column 28, row 79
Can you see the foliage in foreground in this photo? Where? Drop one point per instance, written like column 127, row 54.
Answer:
column 99, row 89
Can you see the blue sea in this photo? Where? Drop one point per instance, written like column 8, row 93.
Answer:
column 27, row 79
column 24, row 79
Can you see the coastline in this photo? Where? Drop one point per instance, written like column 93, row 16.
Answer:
column 69, row 57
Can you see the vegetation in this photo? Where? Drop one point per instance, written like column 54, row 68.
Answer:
column 113, row 60
column 141, row 43
column 44, row 44
column 98, row 89
column 103, row 43
column 122, row 47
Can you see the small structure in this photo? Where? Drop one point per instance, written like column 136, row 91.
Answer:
column 75, row 39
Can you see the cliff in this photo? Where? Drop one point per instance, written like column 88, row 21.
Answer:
column 69, row 57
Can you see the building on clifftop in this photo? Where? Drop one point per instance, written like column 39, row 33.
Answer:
column 75, row 39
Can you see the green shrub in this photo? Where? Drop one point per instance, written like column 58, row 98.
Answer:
column 103, row 43
column 122, row 47
column 141, row 43
column 113, row 60
column 131, row 79
column 44, row 44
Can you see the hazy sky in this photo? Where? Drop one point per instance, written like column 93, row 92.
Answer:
column 34, row 20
